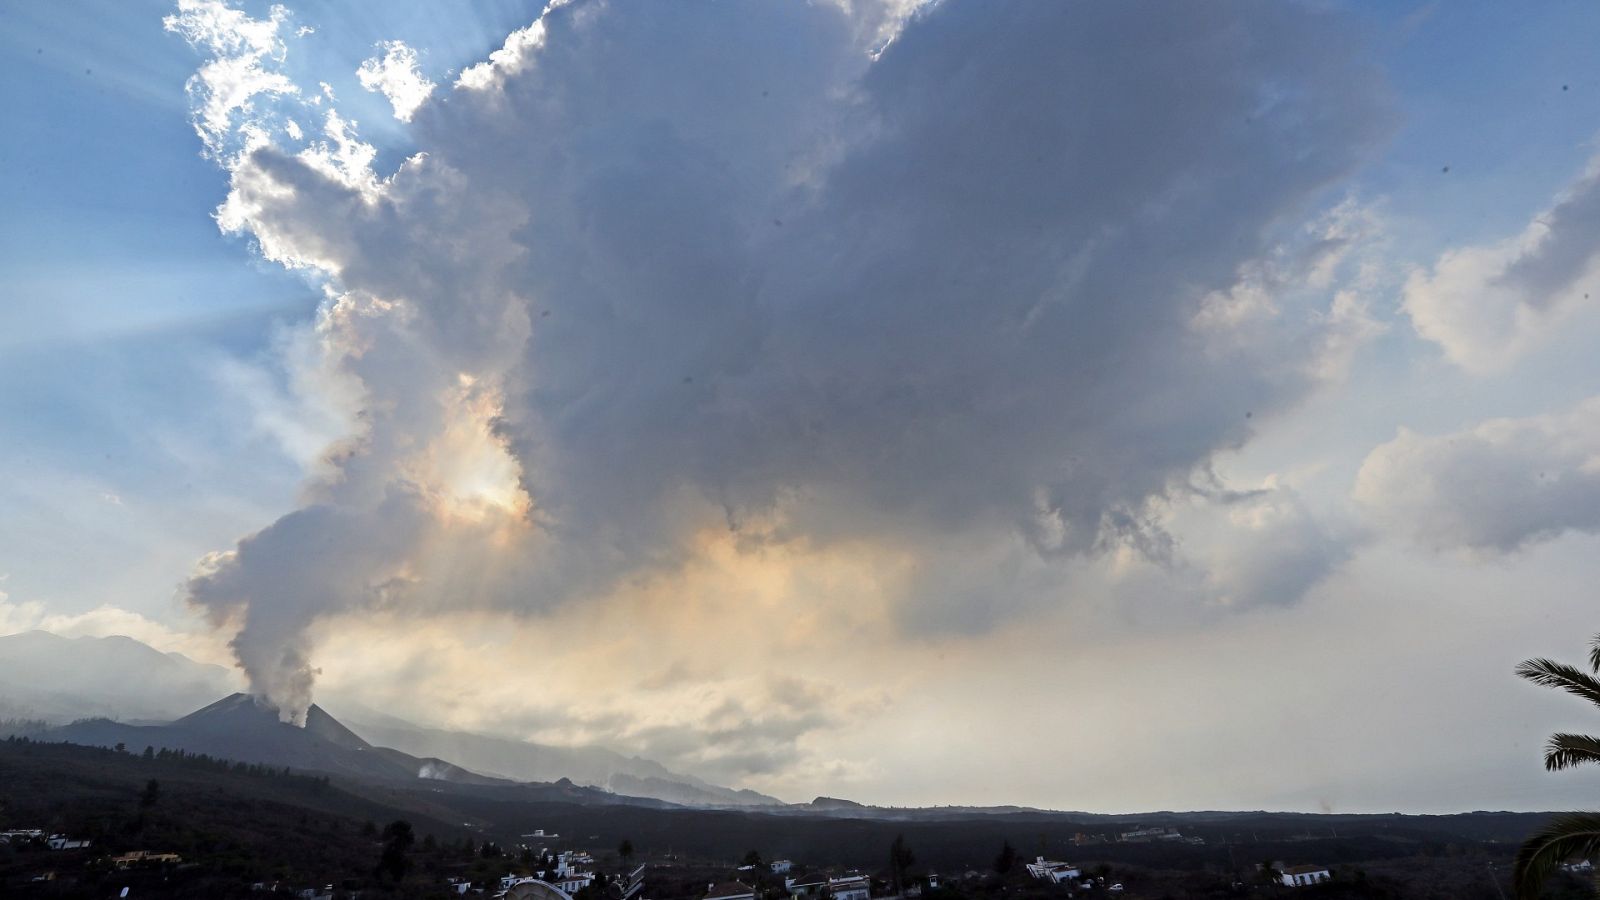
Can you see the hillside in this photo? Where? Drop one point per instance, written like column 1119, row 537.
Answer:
column 527, row 761
column 47, row 676
column 238, row 728
column 118, row 680
column 238, row 825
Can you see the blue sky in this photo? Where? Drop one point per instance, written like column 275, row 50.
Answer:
column 170, row 388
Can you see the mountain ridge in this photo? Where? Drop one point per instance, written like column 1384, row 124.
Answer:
column 59, row 680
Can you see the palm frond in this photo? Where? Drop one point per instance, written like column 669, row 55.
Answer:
column 1594, row 654
column 1567, row 750
column 1571, row 679
column 1566, row 836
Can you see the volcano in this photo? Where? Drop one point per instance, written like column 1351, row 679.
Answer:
column 242, row 728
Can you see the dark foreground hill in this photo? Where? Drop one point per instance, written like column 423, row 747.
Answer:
column 233, row 824
column 236, row 824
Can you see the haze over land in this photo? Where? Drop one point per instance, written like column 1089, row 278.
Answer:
column 1076, row 406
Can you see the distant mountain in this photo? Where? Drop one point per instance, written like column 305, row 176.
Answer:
column 239, row 727
column 835, row 803
column 58, row 679
column 526, row 761
column 61, row 680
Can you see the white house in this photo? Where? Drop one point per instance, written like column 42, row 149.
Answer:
column 1301, row 876
column 850, row 887
column 1053, row 871
column 782, row 866
column 573, row 882
column 569, row 861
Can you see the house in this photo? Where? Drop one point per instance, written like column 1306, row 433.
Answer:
column 781, row 866
column 62, row 842
column 1146, row 835
column 572, row 882
column 1300, row 876
column 1582, row 867
column 144, row 857
column 729, row 890
column 850, row 887
column 1053, row 871
column 805, row 884
column 569, row 861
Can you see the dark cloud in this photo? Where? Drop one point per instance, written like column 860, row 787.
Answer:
column 1570, row 242
column 976, row 321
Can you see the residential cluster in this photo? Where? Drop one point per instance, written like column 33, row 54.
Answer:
column 1301, row 875
column 1057, row 872
column 37, row 836
column 804, row 885
column 563, row 876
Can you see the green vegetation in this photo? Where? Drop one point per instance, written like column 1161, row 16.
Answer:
column 1574, row 835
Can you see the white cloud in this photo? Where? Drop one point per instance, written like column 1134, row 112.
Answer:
column 1311, row 296
column 245, row 52
column 106, row 620
column 1488, row 306
column 1491, row 489
column 397, row 75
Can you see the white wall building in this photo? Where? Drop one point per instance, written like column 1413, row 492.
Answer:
column 1053, row 871
column 1301, row 876
column 850, row 887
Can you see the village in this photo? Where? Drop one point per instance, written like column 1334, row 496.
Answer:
column 541, row 872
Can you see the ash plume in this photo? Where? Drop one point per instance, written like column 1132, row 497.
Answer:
column 804, row 272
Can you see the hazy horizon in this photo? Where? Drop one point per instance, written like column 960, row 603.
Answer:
column 1130, row 407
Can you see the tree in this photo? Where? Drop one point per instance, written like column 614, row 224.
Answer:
column 151, row 793
column 149, row 752
column 1572, row 834
column 752, row 858
column 625, row 850
column 1006, row 859
column 900, row 860
column 397, row 840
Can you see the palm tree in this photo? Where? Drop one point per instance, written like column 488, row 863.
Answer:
column 1571, row 834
